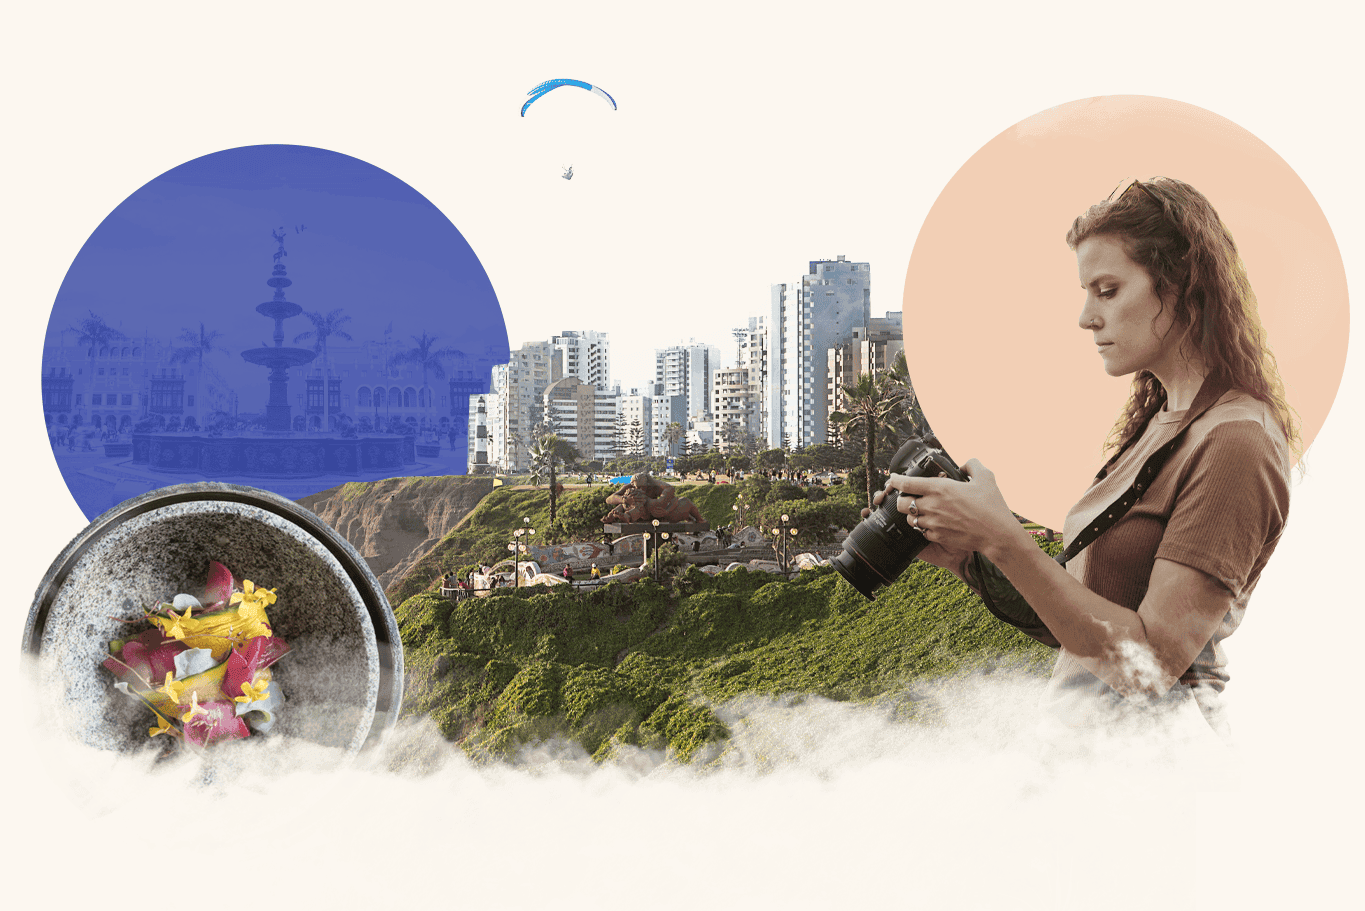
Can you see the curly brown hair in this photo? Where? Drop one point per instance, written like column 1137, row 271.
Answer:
column 1172, row 231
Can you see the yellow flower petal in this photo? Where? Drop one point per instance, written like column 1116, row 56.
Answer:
column 252, row 694
column 173, row 626
column 163, row 727
column 194, row 709
column 173, row 688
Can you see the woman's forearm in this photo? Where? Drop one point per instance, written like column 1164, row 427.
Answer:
column 1105, row 636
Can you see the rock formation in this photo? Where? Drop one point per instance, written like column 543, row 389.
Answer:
column 396, row 522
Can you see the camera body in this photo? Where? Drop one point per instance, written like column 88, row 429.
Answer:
column 880, row 548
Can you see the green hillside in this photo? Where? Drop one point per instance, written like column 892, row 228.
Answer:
column 643, row 664
column 485, row 533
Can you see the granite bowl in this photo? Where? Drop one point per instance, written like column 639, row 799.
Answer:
column 342, row 680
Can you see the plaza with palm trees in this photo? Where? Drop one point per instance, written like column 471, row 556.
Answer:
column 136, row 412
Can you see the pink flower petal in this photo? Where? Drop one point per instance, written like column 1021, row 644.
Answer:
column 219, row 586
column 146, row 655
column 218, row 721
column 244, row 663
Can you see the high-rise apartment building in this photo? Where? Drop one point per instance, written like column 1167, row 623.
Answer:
column 870, row 348
column 583, row 416
column 668, row 410
column 804, row 323
column 743, row 399
column 685, row 370
column 516, row 405
column 636, row 417
column 732, row 407
column 587, row 355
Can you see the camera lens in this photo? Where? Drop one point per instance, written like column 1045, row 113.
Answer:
column 879, row 548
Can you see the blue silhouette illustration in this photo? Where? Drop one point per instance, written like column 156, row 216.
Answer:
column 154, row 371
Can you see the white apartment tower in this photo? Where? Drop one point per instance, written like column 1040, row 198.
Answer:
column 805, row 322
column 732, row 408
column 637, row 410
column 587, row 355
column 685, row 370
column 583, row 416
column 666, row 410
column 516, row 406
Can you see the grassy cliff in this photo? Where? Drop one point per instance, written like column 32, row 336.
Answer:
column 643, row 664
column 484, row 534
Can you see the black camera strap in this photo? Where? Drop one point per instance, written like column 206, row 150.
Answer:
column 1209, row 393
column 1000, row 596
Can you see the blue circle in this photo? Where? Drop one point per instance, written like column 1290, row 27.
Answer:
column 197, row 328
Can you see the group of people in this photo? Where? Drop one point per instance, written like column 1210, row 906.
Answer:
column 80, row 437
column 461, row 588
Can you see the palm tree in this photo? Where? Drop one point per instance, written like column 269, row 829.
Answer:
column 425, row 355
column 871, row 404
column 96, row 333
column 546, row 454
column 909, row 418
column 197, row 344
column 323, row 328
column 674, row 433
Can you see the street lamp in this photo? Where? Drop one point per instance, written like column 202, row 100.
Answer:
column 654, row 543
column 518, row 547
column 783, row 531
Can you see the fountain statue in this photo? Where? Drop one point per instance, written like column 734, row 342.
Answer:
column 279, row 358
column 278, row 451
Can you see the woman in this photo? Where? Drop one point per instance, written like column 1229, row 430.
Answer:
column 1140, row 613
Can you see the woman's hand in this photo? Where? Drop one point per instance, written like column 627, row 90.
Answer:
column 959, row 517
column 951, row 560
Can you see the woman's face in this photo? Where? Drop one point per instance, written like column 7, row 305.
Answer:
column 1132, row 330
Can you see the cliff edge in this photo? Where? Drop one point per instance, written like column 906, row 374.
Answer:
column 396, row 522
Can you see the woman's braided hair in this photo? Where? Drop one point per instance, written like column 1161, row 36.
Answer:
column 1172, row 231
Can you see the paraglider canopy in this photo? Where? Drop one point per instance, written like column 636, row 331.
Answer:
column 552, row 84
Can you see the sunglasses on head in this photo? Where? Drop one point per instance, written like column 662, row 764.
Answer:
column 1127, row 185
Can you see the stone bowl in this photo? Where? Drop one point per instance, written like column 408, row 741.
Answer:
column 343, row 679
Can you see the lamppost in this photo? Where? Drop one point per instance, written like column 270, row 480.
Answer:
column 654, row 543
column 782, row 532
column 517, row 547
column 738, row 509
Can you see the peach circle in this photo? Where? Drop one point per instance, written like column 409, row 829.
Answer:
column 1002, row 369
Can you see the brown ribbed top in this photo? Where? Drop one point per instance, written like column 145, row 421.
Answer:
column 1218, row 506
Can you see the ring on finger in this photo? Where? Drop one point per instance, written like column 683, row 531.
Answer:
column 914, row 507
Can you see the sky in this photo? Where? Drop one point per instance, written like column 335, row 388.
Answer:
column 749, row 140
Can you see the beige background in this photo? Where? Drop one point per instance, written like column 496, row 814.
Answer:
column 773, row 133
column 992, row 298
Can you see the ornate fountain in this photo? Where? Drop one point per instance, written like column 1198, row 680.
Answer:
column 279, row 358
column 278, row 451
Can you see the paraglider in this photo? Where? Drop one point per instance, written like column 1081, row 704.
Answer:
column 552, row 84
column 568, row 173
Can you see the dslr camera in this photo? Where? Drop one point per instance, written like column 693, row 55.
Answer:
column 880, row 548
